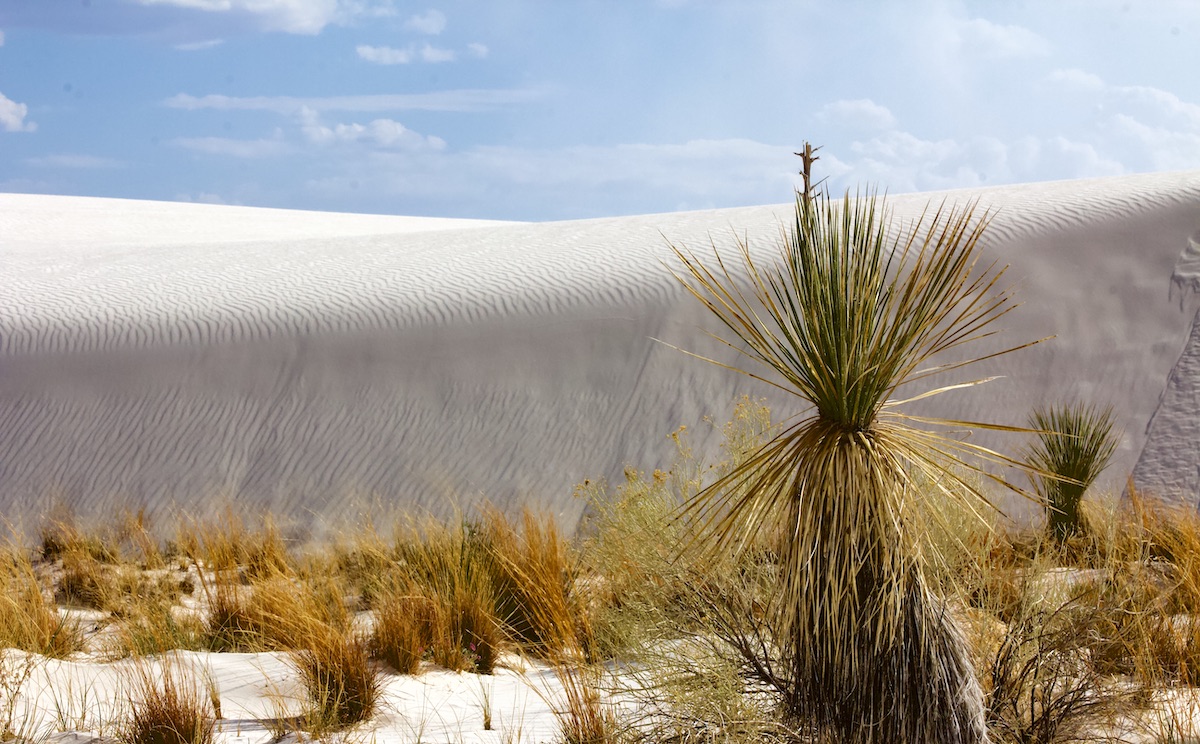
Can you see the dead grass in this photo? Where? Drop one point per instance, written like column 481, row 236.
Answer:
column 341, row 683
column 168, row 708
column 404, row 628
column 28, row 621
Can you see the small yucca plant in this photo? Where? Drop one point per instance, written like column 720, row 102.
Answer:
column 845, row 318
column 1074, row 444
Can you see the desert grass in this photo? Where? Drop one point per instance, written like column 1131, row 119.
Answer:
column 341, row 682
column 449, row 569
column 167, row 708
column 1069, row 639
column 28, row 621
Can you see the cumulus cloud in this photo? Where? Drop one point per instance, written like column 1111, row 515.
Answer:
column 196, row 46
column 861, row 113
column 67, row 160
column 434, row 54
column 905, row 162
column 602, row 180
column 288, row 16
column 477, row 50
column 234, row 148
column 1078, row 79
column 384, row 55
column 430, row 22
column 446, row 100
column 1001, row 41
column 12, row 116
column 384, row 133
column 1146, row 127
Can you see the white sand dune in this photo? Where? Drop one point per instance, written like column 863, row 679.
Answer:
column 316, row 365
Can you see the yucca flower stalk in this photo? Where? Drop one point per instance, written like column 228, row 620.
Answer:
column 845, row 319
column 1074, row 444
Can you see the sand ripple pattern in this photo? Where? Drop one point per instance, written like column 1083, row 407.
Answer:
column 321, row 365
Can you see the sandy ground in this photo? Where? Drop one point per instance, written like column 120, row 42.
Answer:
column 260, row 693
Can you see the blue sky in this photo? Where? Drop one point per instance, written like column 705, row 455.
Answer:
column 559, row 109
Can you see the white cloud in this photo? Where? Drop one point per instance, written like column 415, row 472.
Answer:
column 1078, row 79
column 989, row 39
column 447, row 100
column 434, row 54
column 575, row 181
column 861, row 114
column 234, row 148
column 384, row 133
column 905, row 162
column 66, row 160
column 289, row 16
column 477, row 50
column 384, row 55
column 1145, row 127
column 12, row 116
column 430, row 22
column 391, row 56
column 1165, row 108
column 196, row 46
column 1162, row 148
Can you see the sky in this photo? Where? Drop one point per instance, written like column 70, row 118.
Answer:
column 566, row 109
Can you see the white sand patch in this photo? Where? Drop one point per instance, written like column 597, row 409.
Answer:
column 260, row 693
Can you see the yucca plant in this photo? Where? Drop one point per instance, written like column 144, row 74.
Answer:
column 846, row 318
column 1074, row 444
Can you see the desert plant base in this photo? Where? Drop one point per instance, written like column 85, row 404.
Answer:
column 917, row 685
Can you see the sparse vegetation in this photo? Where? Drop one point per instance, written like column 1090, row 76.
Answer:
column 1065, row 643
column 168, row 708
column 340, row 680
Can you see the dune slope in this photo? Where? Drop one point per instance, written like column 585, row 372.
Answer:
column 323, row 366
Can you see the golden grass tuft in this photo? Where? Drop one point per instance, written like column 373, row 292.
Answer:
column 27, row 620
column 341, row 683
column 168, row 708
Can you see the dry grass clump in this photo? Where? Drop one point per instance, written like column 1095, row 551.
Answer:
column 639, row 586
column 27, row 620
column 538, row 584
column 705, row 660
column 226, row 545
column 341, row 682
column 270, row 613
column 404, row 628
column 451, row 569
column 168, row 708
